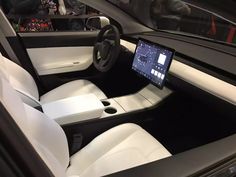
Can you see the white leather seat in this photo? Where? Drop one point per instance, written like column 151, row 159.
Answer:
column 26, row 87
column 119, row 148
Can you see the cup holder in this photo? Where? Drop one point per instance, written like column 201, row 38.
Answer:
column 106, row 103
column 110, row 110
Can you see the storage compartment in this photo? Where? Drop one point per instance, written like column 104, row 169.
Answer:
column 110, row 110
column 106, row 103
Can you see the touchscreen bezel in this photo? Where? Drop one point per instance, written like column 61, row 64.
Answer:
column 168, row 66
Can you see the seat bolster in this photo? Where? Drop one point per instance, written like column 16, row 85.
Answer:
column 20, row 79
column 46, row 136
column 28, row 99
column 117, row 149
column 49, row 140
column 70, row 89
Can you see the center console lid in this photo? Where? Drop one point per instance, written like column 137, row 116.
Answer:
column 74, row 109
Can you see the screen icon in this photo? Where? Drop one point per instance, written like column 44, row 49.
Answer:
column 153, row 71
column 156, row 73
column 162, row 76
column 162, row 59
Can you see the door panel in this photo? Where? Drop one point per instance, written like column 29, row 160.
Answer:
column 59, row 52
column 60, row 59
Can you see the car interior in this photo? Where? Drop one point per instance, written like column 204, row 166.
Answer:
column 117, row 99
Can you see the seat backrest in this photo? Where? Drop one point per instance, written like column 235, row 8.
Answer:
column 21, row 81
column 46, row 136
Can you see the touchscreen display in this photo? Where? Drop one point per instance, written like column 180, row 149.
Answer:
column 152, row 61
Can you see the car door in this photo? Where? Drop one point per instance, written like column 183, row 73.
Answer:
column 61, row 53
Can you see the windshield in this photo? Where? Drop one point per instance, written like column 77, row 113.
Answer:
column 205, row 18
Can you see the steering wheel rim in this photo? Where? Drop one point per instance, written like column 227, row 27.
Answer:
column 106, row 51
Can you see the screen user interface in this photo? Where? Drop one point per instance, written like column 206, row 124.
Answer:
column 152, row 61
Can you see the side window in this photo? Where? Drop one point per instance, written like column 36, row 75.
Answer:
column 48, row 15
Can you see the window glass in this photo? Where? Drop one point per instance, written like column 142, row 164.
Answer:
column 215, row 20
column 47, row 15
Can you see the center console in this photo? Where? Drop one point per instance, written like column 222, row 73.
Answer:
column 148, row 97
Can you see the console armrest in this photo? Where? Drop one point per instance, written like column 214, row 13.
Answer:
column 74, row 109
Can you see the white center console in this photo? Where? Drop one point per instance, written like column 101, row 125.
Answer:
column 146, row 98
column 87, row 107
column 74, row 109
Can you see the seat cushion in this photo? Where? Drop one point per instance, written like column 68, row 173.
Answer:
column 70, row 89
column 119, row 148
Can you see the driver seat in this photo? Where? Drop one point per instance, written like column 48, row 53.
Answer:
column 26, row 87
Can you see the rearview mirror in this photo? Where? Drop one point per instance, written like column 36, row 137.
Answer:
column 97, row 22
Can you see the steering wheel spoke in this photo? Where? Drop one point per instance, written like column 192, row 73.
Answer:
column 98, row 46
column 111, row 42
column 102, row 63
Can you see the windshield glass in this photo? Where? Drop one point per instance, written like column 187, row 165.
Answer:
column 205, row 18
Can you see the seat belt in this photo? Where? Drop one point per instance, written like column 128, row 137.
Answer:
column 6, row 46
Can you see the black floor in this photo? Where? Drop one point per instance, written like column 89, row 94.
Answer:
column 183, row 123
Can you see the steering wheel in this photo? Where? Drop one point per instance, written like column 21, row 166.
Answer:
column 107, row 48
